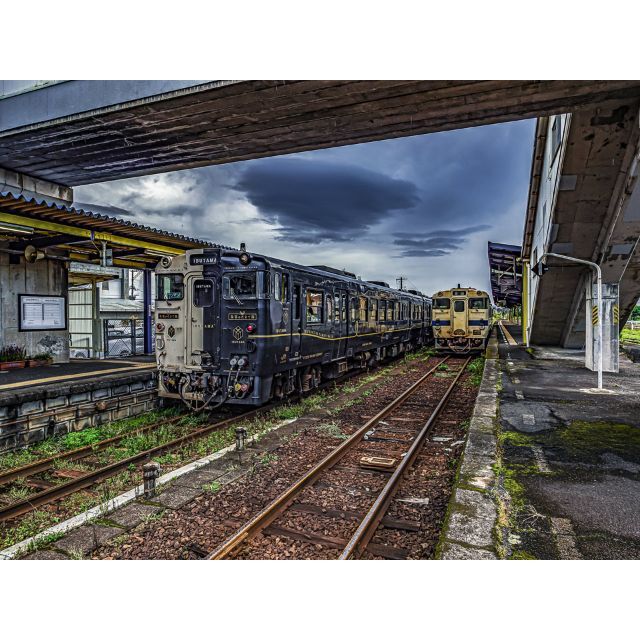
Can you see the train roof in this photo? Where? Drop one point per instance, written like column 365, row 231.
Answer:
column 446, row 292
column 322, row 270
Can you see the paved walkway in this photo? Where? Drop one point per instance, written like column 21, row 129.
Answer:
column 569, row 485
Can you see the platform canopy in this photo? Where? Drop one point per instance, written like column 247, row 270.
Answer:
column 82, row 236
column 506, row 274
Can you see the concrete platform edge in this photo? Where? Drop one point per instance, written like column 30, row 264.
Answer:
column 468, row 532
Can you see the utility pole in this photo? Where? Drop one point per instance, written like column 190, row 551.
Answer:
column 400, row 282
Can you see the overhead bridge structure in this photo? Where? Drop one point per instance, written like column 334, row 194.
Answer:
column 77, row 132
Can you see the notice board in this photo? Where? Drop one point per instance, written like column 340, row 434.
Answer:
column 42, row 313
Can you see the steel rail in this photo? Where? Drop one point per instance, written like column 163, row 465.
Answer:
column 280, row 504
column 77, row 454
column 367, row 528
column 76, row 484
column 65, row 489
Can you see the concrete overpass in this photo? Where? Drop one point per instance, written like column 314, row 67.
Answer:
column 57, row 135
column 584, row 201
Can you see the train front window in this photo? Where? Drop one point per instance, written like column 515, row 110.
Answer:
column 458, row 306
column 169, row 286
column 202, row 293
column 441, row 303
column 478, row 303
column 240, row 286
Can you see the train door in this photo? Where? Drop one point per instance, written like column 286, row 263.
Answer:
column 296, row 321
column 200, row 312
column 459, row 317
column 340, row 322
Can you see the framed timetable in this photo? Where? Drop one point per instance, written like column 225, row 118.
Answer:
column 42, row 313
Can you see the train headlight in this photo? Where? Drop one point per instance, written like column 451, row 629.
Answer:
column 245, row 258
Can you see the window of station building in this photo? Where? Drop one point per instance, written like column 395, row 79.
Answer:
column 363, row 311
column 478, row 303
column 441, row 303
column 169, row 286
column 458, row 306
column 203, row 293
column 315, row 304
column 240, row 286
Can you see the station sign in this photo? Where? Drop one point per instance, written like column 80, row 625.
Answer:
column 42, row 313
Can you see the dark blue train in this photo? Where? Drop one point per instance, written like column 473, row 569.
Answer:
column 244, row 328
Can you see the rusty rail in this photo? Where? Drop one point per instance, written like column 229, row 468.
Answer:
column 367, row 528
column 273, row 510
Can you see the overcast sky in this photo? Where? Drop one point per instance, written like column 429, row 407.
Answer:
column 422, row 207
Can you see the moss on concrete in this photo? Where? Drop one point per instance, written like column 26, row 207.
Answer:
column 594, row 438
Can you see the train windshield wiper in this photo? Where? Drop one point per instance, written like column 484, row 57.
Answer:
column 235, row 297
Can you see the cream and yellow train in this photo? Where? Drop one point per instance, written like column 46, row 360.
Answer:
column 461, row 319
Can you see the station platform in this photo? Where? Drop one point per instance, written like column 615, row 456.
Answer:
column 36, row 403
column 571, row 457
column 75, row 370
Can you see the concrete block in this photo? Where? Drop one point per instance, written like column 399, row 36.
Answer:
column 30, row 407
column 76, row 398
column 120, row 390
column 458, row 552
column 479, row 443
column 4, row 413
column 101, row 418
column 54, row 403
column 137, row 409
column 133, row 514
column 100, row 394
column 82, row 423
column 196, row 479
column 46, row 554
column 84, row 540
column 473, row 516
column 176, row 496
column 136, row 386
column 120, row 414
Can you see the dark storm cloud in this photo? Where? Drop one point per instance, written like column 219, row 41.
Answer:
column 103, row 209
column 430, row 244
column 316, row 201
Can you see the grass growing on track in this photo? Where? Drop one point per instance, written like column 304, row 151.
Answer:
column 78, row 439
column 476, row 368
column 37, row 521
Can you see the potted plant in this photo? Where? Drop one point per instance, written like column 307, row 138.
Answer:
column 12, row 357
column 40, row 359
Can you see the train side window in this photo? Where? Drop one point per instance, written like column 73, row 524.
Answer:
column 203, row 293
column 458, row 306
column 315, row 305
column 336, row 308
column 343, row 308
column 277, row 286
column 329, row 308
column 354, row 310
column 363, row 310
column 285, row 287
column 441, row 303
column 382, row 310
column 478, row 303
column 296, row 302
column 374, row 310
column 390, row 306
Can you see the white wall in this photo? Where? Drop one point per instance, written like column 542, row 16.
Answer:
column 549, row 182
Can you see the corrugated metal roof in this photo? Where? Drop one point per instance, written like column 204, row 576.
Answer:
column 40, row 208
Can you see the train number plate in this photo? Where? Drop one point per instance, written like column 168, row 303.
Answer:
column 243, row 315
column 199, row 259
column 168, row 316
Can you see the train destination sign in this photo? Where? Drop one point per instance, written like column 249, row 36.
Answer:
column 198, row 259
column 41, row 313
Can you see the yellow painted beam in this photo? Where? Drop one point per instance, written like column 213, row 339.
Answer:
column 45, row 225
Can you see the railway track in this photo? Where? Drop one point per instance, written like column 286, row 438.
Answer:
column 52, row 494
column 378, row 453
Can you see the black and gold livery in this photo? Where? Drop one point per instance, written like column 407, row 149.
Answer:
column 244, row 328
